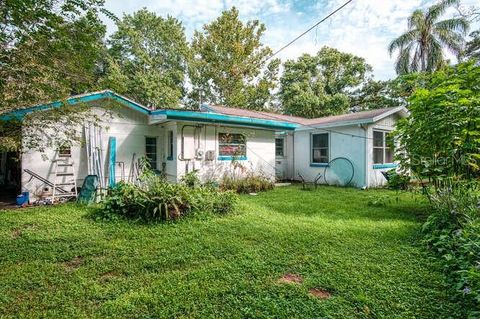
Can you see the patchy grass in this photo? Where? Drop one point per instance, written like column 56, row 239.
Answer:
column 355, row 259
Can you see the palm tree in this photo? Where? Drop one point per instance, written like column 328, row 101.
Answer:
column 421, row 47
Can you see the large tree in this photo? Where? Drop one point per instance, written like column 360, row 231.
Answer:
column 323, row 84
column 421, row 48
column 148, row 59
column 49, row 49
column 228, row 66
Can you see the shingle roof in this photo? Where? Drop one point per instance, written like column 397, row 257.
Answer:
column 357, row 116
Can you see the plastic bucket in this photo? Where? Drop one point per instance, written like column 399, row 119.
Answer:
column 23, row 199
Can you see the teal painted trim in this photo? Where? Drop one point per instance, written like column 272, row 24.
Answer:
column 318, row 164
column 224, row 119
column 112, row 141
column 20, row 114
column 231, row 158
column 387, row 165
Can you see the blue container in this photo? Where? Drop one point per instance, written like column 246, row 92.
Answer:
column 23, row 199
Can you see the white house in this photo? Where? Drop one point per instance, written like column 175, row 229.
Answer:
column 214, row 140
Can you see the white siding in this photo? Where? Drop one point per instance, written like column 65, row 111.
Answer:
column 375, row 177
column 260, row 152
column 344, row 141
column 130, row 129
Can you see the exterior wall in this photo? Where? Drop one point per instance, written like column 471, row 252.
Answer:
column 130, row 129
column 260, row 151
column 341, row 144
column 375, row 177
column 284, row 164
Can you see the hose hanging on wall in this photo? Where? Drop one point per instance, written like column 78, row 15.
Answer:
column 339, row 172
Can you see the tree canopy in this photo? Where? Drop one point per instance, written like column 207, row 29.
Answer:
column 440, row 138
column 421, row 48
column 227, row 65
column 323, row 84
column 148, row 59
column 49, row 49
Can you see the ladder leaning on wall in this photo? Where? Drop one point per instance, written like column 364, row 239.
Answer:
column 64, row 177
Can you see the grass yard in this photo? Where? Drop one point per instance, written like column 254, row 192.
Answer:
column 59, row 262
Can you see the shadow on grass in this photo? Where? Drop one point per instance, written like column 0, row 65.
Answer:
column 338, row 203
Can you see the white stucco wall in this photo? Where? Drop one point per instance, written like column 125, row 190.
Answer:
column 130, row 129
column 375, row 177
column 343, row 142
column 260, row 151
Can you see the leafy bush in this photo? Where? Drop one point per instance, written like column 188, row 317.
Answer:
column 246, row 184
column 397, row 181
column 156, row 199
column 452, row 231
column 191, row 179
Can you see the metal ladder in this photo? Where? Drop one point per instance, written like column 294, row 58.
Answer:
column 64, row 175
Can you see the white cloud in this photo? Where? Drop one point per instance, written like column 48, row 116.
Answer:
column 364, row 27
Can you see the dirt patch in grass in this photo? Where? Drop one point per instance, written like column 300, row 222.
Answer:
column 73, row 264
column 320, row 293
column 291, row 279
column 17, row 232
column 109, row 275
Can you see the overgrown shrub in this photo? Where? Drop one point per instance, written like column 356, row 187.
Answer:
column 397, row 180
column 156, row 199
column 246, row 184
column 452, row 231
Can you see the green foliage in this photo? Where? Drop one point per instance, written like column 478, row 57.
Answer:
column 148, row 59
column 321, row 85
column 441, row 137
column 397, row 180
column 227, row 64
column 191, row 179
column 56, row 263
column 156, row 199
column 472, row 48
column 250, row 183
column 421, row 47
column 452, row 232
column 49, row 49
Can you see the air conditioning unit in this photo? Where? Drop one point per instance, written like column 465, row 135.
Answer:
column 209, row 155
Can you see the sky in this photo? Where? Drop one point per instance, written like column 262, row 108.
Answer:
column 363, row 27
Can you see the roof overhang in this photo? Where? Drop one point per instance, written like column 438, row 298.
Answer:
column 160, row 116
column 155, row 116
column 83, row 98
column 401, row 111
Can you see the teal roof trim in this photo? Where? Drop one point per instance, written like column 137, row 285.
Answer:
column 224, row 119
column 20, row 114
column 208, row 117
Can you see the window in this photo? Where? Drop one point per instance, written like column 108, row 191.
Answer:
column 279, row 146
column 231, row 145
column 382, row 148
column 320, row 148
column 151, row 151
column 170, row 145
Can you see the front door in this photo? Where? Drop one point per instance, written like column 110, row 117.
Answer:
column 280, row 159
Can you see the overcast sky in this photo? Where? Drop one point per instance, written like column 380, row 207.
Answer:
column 364, row 27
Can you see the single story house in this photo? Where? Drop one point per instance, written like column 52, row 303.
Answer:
column 213, row 140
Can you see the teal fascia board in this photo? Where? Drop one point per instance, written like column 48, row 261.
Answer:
column 208, row 117
column 19, row 114
column 224, row 119
column 231, row 158
column 382, row 166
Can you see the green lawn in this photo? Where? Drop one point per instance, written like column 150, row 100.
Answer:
column 59, row 262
